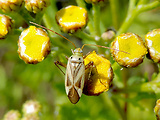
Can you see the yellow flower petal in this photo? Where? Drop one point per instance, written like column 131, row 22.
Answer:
column 6, row 25
column 33, row 44
column 98, row 78
column 132, row 44
column 153, row 44
column 157, row 109
column 72, row 18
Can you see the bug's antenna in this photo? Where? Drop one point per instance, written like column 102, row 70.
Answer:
column 104, row 47
column 53, row 32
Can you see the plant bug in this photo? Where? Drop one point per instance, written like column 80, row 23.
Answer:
column 75, row 69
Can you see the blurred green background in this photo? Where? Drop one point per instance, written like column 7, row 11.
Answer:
column 44, row 81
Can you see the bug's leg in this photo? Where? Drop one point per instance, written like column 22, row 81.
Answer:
column 89, row 65
column 86, row 55
column 61, row 64
column 67, row 57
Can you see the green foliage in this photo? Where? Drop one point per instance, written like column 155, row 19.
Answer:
column 133, row 91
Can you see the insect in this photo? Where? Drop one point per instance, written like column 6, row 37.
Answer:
column 75, row 70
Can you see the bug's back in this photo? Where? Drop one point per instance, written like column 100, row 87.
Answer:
column 74, row 79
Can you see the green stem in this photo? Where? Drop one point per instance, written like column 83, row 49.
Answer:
column 111, row 102
column 39, row 17
column 127, row 22
column 96, row 18
column 81, row 3
column 17, row 31
column 114, row 11
column 142, row 2
column 132, row 5
column 84, row 36
column 49, row 17
column 115, row 66
column 145, row 87
column 133, row 12
column 125, row 78
column 50, row 22
column 118, row 107
column 149, row 6
column 57, row 42
column 26, row 16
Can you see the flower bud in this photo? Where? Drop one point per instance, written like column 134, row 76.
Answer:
column 157, row 109
column 153, row 44
column 6, row 24
column 71, row 18
column 98, row 76
column 109, row 35
column 132, row 50
column 31, row 107
column 33, row 45
column 10, row 5
column 36, row 6
column 12, row 115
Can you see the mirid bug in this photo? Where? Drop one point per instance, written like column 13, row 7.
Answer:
column 75, row 70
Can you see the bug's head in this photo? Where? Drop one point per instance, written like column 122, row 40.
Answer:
column 77, row 50
column 77, row 56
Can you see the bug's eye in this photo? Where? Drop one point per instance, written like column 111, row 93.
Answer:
column 71, row 57
column 79, row 58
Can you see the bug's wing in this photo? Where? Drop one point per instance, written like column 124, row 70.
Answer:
column 74, row 81
column 79, row 79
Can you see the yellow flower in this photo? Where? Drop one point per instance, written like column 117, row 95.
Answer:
column 36, row 6
column 153, row 44
column 72, row 18
column 133, row 45
column 98, row 77
column 31, row 107
column 10, row 5
column 12, row 115
column 33, row 45
column 157, row 109
column 6, row 24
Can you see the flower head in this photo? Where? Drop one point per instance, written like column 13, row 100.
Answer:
column 153, row 44
column 131, row 43
column 31, row 107
column 33, row 45
column 6, row 24
column 98, row 77
column 72, row 18
column 108, row 35
column 157, row 109
column 12, row 115
column 36, row 6
column 10, row 5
